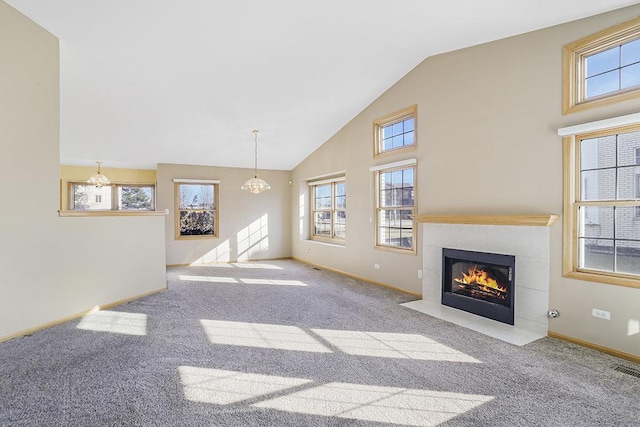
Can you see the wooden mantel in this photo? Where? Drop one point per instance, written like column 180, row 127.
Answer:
column 538, row 220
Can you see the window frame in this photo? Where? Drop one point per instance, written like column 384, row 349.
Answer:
column 114, row 186
column 573, row 63
column 572, row 203
column 377, row 173
column 333, row 209
column 216, row 210
column 637, row 210
column 389, row 120
column 637, row 179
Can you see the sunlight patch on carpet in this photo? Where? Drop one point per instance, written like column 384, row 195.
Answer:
column 214, row 265
column 392, row 345
column 116, row 322
column 210, row 279
column 221, row 263
column 394, row 405
column 218, row 279
column 261, row 335
column 273, row 282
column 256, row 266
column 225, row 387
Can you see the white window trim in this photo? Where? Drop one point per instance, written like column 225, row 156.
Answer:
column 613, row 122
column 326, row 176
column 327, row 181
column 393, row 165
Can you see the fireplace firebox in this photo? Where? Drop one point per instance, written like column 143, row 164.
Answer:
column 480, row 283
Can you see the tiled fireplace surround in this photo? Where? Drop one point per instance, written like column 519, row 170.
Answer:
column 526, row 237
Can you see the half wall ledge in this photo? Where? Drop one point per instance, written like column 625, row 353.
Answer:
column 530, row 220
column 80, row 213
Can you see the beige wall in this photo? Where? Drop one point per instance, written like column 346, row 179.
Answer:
column 252, row 226
column 55, row 267
column 487, row 121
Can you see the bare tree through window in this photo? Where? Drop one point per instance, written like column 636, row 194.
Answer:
column 196, row 210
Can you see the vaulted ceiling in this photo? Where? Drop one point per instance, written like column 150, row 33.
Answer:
column 186, row 81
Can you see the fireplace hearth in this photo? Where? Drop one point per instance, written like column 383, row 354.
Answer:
column 480, row 283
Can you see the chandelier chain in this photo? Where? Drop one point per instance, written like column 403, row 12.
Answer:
column 255, row 185
column 255, row 152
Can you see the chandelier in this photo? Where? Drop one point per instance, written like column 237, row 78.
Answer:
column 255, row 185
column 99, row 180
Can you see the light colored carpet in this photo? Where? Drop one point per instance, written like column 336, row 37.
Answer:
column 283, row 344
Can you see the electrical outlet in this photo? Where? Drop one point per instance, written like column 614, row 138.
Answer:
column 601, row 314
column 376, row 266
column 419, row 274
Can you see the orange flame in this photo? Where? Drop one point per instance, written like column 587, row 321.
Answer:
column 480, row 277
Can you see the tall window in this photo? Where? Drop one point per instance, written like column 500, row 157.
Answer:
column 116, row 197
column 395, row 132
column 601, row 225
column 196, row 213
column 395, row 207
column 329, row 209
column 602, row 68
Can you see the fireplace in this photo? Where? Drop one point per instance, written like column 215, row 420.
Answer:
column 479, row 282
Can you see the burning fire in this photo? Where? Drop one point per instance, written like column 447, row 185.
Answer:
column 481, row 278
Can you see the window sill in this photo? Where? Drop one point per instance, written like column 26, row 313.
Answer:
column 587, row 104
column 394, row 151
column 71, row 213
column 397, row 250
column 197, row 237
column 628, row 281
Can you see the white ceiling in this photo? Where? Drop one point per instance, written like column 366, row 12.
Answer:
column 186, row 81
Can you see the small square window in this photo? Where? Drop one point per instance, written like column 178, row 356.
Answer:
column 395, row 132
column 602, row 68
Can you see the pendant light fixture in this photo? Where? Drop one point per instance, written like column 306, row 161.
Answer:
column 99, row 180
column 255, row 185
